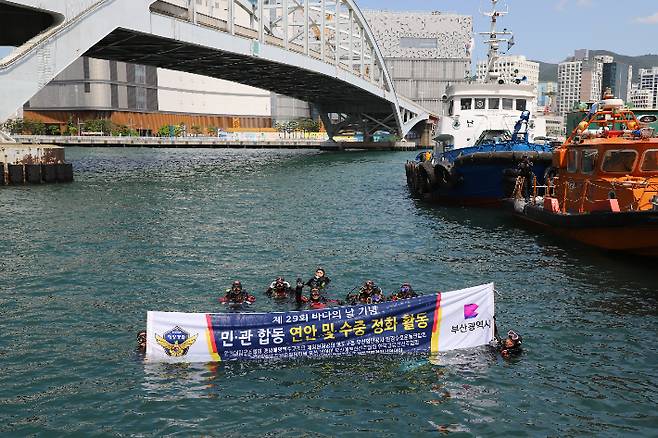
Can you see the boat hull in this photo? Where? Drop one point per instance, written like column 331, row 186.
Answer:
column 635, row 232
column 473, row 179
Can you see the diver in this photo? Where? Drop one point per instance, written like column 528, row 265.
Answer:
column 141, row 342
column 319, row 280
column 280, row 289
column 405, row 292
column 525, row 170
column 510, row 346
column 369, row 293
column 316, row 300
column 237, row 295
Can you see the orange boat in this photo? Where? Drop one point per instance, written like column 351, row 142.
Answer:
column 604, row 185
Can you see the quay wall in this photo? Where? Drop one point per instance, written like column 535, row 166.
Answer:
column 211, row 142
column 33, row 164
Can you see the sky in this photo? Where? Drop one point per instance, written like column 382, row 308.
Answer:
column 550, row 30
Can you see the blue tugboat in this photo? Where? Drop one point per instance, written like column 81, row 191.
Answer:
column 481, row 155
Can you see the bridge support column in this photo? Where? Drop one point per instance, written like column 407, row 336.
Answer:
column 426, row 135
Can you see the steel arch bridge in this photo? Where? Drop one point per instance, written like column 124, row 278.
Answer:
column 319, row 51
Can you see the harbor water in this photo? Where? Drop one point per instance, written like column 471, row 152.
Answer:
column 145, row 229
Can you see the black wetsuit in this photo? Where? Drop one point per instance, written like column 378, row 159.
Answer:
column 404, row 295
column 375, row 295
column 284, row 289
column 320, row 283
column 525, row 170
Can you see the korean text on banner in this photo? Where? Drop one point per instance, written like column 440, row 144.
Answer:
column 430, row 323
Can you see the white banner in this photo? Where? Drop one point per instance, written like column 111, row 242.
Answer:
column 426, row 324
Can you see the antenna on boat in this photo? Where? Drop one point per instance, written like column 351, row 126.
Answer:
column 494, row 41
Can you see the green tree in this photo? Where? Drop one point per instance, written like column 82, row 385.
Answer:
column 34, row 127
column 54, row 130
column 14, row 126
column 98, row 125
column 309, row 125
column 196, row 129
column 70, row 127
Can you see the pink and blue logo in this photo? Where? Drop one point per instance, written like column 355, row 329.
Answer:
column 470, row 311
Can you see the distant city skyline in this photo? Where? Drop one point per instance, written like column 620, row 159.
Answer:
column 549, row 30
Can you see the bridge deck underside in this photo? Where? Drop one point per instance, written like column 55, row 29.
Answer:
column 331, row 94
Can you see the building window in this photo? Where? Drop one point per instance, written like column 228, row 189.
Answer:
column 507, row 104
column 140, row 98
column 479, row 103
column 419, row 43
column 466, row 104
column 520, row 104
column 85, row 68
column 140, row 74
column 451, row 108
column 87, row 87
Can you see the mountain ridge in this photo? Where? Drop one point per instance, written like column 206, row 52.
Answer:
column 548, row 71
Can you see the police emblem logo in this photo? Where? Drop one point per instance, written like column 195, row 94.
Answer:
column 176, row 342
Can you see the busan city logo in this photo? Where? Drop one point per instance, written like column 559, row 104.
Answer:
column 470, row 311
column 176, row 342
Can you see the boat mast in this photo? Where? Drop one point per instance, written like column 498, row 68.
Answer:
column 494, row 41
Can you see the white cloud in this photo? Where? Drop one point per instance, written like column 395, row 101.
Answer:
column 651, row 19
column 561, row 5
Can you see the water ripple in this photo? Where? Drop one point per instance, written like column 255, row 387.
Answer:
column 145, row 229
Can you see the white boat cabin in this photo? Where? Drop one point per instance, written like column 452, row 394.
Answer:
column 486, row 112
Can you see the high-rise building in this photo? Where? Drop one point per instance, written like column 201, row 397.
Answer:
column 547, row 97
column 423, row 51
column 605, row 59
column 641, row 99
column 617, row 76
column 511, row 68
column 579, row 80
column 648, row 80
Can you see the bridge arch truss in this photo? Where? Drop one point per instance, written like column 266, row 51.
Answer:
column 319, row 51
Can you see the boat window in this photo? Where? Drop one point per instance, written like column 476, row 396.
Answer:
column 494, row 103
column 451, row 108
column 466, row 103
column 479, row 103
column 572, row 162
column 650, row 162
column 520, row 104
column 619, row 161
column 507, row 104
column 494, row 136
column 588, row 161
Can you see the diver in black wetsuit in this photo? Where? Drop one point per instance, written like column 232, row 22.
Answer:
column 141, row 342
column 510, row 346
column 280, row 289
column 525, row 170
column 319, row 280
column 237, row 296
column 368, row 294
column 405, row 292
column 316, row 300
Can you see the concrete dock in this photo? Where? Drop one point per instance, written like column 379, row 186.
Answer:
column 33, row 164
column 211, row 142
